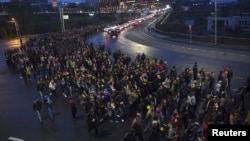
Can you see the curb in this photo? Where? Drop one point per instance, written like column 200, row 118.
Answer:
column 199, row 43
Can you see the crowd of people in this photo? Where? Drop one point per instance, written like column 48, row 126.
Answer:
column 112, row 86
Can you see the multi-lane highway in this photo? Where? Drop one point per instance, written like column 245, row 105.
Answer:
column 135, row 40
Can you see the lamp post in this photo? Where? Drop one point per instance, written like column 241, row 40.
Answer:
column 61, row 19
column 157, row 10
column 190, row 32
column 215, row 22
column 17, row 29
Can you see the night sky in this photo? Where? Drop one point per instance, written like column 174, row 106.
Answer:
column 219, row 1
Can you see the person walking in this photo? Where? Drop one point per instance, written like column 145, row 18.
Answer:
column 48, row 103
column 172, row 133
column 229, row 77
column 28, row 71
column 37, row 106
column 149, row 117
column 154, row 134
column 40, row 88
column 195, row 71
column 92, row 121
column 137, row 126
column 52, row 87
column 23, row 73
column 247, row 120
column 73, row 108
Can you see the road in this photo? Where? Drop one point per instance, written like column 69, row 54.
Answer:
column 18, row 120
column 134, row 41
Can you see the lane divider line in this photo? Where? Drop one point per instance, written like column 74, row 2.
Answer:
column 15, row 139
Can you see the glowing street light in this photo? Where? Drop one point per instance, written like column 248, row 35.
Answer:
column 13, row 20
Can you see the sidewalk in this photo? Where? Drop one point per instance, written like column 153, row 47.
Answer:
column 162, row 35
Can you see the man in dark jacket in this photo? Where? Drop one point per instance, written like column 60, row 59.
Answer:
column 73, row 108
column 154, row 131
column 92, row 121
column 40, row 88
column 37, row 106
column 48, row 103
column 195, row 71
column 229, row 77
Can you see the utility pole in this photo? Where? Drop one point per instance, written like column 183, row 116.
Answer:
column 61, row 19
column 190, row 32
column 13, row 20
column 157, row 10
column 215, row 22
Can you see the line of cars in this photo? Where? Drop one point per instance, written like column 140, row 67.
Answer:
column 115, row 30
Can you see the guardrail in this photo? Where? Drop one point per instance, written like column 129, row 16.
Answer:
column 208, row 39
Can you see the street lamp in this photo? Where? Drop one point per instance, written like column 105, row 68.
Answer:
column 13, row 20
column 190, row 31
column 62, row 19
column 157, row 10
column 215, row 22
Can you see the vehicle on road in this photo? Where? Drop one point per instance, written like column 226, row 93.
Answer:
column 114, row 33
column 109, row 28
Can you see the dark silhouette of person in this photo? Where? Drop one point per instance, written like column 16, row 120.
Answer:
column 73, row 108
column 92, row 121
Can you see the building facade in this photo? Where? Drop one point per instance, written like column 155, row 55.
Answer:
column 112, row 6
column 232, row 23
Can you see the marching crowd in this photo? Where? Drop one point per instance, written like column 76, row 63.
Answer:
column 112, row 86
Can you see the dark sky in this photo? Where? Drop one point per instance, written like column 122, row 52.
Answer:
column 84, row 0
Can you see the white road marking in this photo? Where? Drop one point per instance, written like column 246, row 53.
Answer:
column 237, row 77
column 242, row 55
column 231, row 53
column 235, row 90
column 15, row 139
